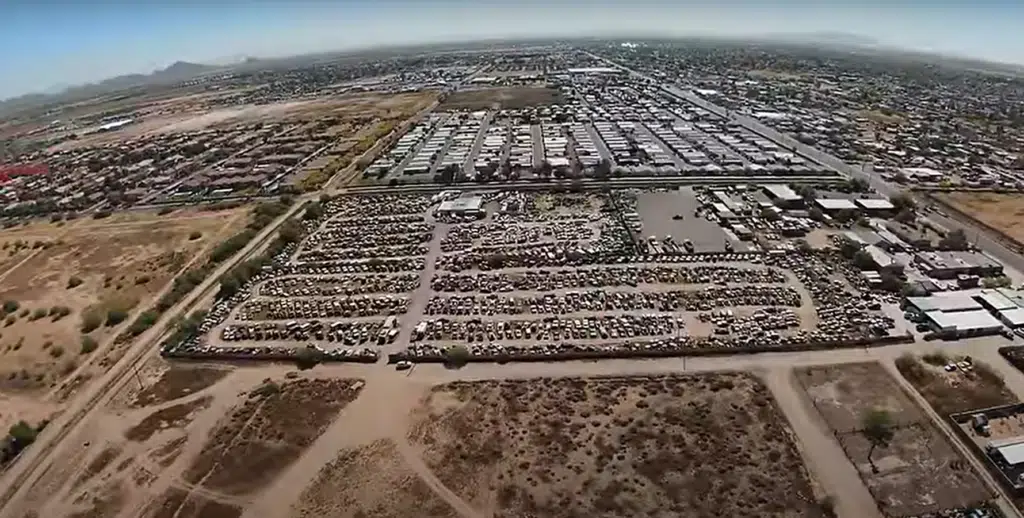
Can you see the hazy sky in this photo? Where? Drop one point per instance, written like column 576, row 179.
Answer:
column 44, row 43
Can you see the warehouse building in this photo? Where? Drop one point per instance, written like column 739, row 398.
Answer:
column 471, row 206
column 875, row 206
column 782, row 196
column 948, row 265
column 834, row 205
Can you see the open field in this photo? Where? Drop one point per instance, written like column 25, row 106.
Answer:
column 919, row 471
column 515, row 98
column 195, row 441
column 1003, row 212
column 83, row 280
column 187, row 114
column 615, row 446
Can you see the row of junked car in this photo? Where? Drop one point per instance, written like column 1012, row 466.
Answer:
column 550, row 328
column 348, row 333
column 348, row 307
column 379, row 265
column 601, row 300
column 464, row 236
column 727, row 321
column 338, row 285
column 601, row 277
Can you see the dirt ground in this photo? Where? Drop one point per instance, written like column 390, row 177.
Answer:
column 515, row 98
column 1004, row 212
column 194, row 441
column 88, row 267
column 956, row 391
column 189, row 114
column 707, row 445
column 919, row 472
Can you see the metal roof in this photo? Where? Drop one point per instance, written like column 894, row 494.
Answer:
column 965, row 320
column 1013, row 317
column 1013, row 453
column 835, row 203
column 950, row 302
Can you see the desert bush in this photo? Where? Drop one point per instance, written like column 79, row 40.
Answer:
column 456, row 355
column 116, row 316
column 74, row 281
column 91, row 321
column 88, row 344
column 10, row 306
column 39, row 313
column 56, row 351
column 195, row 235
column 938, row 359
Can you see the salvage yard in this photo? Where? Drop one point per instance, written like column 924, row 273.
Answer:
column 500, row 98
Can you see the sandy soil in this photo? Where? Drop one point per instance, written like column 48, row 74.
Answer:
column 1003, row 212
column 647, row 446
column 513, row 98
column 122, row 263
column 920, row 471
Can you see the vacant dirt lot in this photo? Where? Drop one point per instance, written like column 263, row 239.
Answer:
column 85, row 271
column 710, row 445
column 956, row 391
column 1004, row 212
column 500, row 98
column 194, row 441
column 919, row 472
column 372, row 480
column 267, row 432
column 90, row 269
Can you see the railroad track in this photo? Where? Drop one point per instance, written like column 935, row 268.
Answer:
column 34, row 461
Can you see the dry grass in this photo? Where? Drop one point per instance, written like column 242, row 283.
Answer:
column 267, row 432
column 179, row 381
column 371, row 481
column 919, row 472
column 175, row 416
column 957, row 391
column 708, row 445
column 1004, row 212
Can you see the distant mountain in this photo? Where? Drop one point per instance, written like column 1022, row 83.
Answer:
column 178, row 71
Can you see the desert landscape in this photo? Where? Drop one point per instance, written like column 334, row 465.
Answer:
column 215, row 441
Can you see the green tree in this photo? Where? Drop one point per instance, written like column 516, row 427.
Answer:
column 863, row 260
column 768, row 214
column 955, row 240
column 456, row 355
column 877, row 427
column 903, row 201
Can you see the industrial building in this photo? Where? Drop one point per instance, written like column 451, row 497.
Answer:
column 954, row 314
column 471, row 206
column 834, row 205
column 782, row 196
column 875, row 206
column 948, row 265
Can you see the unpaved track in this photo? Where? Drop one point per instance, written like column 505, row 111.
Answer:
column 823, row 456
column 50, row 447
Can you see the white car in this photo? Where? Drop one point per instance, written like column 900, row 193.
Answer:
column 403, row 365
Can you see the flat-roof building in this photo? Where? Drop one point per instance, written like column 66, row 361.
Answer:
column 783, row 196
column 964, row 323
column 947, row 265
column 832, row 205
column 468, row 206
column 875, row 205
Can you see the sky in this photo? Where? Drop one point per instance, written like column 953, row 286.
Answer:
column 50, row 43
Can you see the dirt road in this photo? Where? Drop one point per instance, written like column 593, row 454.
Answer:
column 50, row 447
